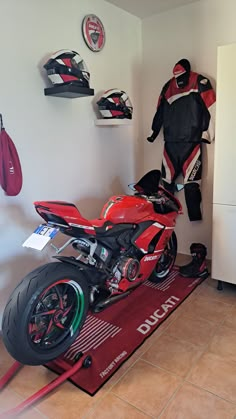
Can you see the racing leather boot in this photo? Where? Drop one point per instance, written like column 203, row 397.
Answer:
column 197, row 267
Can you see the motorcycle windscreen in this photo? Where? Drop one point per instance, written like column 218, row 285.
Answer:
column 149, row 183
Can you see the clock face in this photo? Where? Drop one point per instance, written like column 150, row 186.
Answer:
column 93, row 32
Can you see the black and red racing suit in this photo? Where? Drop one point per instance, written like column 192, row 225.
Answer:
column 186, row 115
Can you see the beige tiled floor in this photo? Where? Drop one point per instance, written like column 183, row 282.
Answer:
column 185, row 370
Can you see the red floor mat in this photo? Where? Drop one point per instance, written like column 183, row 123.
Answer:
column 111, row 336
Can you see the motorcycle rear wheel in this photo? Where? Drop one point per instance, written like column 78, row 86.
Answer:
column 166, row 261
column 45, row 313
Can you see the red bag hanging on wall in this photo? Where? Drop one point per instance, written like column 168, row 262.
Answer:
column 10, row 167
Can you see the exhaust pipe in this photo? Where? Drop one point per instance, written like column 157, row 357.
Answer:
column 101, row 305
column 106, row 302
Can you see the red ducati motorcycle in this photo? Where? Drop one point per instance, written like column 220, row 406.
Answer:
column 132, row 241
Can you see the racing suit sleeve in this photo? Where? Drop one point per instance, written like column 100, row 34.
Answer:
column 208, row 97
column 159, row 115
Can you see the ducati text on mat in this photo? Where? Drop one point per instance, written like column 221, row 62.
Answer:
column 157, row 315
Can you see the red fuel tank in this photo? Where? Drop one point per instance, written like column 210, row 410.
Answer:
column 127, row 209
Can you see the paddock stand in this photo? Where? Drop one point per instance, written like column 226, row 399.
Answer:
column 82, row 361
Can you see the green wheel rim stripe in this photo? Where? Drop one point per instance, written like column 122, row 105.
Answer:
column 80, row 311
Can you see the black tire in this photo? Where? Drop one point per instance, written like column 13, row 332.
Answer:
column 166, row 261
column 56, row 287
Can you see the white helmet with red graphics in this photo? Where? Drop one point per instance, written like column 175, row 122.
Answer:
column 115, row 103
column 66, row 66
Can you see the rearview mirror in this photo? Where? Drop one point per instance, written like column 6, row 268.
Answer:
column 179, row 187
column 132, row 187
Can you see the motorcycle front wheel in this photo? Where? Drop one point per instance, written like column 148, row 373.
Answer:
column 45, row 313
column 166, row 261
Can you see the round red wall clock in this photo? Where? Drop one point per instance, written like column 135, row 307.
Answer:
column 93, row 32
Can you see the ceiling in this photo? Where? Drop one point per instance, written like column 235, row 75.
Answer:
column 146, row 8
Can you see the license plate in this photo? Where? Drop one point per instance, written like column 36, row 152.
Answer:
column 40, row 237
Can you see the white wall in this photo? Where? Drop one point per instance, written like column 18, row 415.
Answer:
column 63, row 155
column 192, row 32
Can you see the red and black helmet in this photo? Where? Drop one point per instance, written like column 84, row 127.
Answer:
column 66, row 66
column 115, row 103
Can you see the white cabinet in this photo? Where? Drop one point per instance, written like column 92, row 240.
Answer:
column 225, row 144
column 224, row 243
column 224, row 197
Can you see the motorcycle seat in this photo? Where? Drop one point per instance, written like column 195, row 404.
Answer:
column 101, row 226
column 98, row 222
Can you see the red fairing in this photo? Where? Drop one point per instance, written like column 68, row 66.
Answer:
column 68, row 212
column 60, row 208
column 132, row 209
column 128, row 209
column 146, row 237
